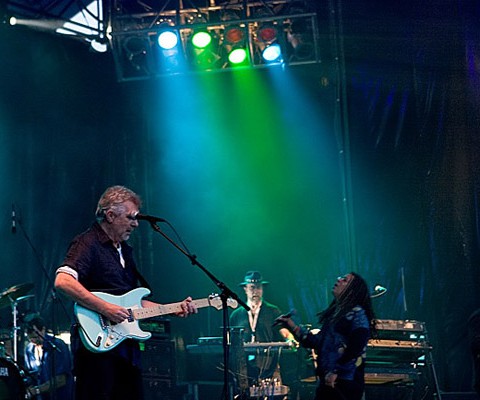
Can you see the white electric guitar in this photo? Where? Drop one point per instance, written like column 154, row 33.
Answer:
column 99, row 334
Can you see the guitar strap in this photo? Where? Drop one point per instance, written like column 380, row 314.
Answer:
column 142, row 280
column 137, row 273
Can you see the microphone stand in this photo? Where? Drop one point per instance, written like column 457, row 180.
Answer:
column 225, row 293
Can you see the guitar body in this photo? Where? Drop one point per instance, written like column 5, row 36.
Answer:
column 100, row 335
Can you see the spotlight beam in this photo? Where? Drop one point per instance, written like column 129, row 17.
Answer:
column 55, row 25
column 48, row 21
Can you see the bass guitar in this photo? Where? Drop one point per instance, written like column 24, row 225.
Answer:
column 100, row 335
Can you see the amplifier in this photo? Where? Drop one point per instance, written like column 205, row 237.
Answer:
column 158, row 359
column 158, row 326
column 161, row 389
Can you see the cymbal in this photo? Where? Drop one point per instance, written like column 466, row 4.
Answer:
column 13, row 293
column 28, row 296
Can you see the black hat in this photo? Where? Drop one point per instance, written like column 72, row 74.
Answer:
column 254, row 277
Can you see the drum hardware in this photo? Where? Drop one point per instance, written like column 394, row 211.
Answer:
column 267, row 388
column 12, row 296
column 29, row 296
column 14, row 293
column 12, row 380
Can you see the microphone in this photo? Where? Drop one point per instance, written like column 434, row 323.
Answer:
column 290, row 314
column 149, row 218
column 14, row 219
column 46, row 339
column 378, row 291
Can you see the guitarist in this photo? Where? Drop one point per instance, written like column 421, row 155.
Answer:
column 101, row 260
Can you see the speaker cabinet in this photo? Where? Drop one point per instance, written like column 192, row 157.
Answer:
column 158, row 359
column 158, row 370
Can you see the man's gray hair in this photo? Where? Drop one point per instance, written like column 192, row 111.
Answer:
column 113, row 198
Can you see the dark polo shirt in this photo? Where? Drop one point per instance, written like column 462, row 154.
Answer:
column 93, row 256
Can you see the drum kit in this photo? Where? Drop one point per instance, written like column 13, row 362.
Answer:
column 11, row 375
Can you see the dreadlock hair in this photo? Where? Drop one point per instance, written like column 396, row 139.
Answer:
column 355, row 294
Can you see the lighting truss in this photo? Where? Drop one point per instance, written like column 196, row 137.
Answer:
column 129, row 29
column 137, row 55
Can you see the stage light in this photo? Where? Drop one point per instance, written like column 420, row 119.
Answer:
column 268, row 42
column 237, row 56
column 169, row 57
column 272, row 53
column 300, row 37
column 136, row 48
column 12, row 21
column 267, row 34
column 235, row 45
column 201, row 39
column 202, row 48
column 234, row 35
column 302, row 50
column 167, row 40
column 99, row 46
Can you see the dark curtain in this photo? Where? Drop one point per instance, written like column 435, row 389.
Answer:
column 413, row 113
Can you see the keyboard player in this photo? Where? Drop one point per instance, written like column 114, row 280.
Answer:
column 258, row 327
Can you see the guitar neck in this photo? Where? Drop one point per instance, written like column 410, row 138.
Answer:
column 164, row 309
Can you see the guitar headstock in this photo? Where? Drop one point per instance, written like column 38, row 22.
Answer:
column 215, row 301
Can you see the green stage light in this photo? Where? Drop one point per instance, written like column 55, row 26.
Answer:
column 235, row 44
column 201, row 39
column 203, row 50
column 237, row 56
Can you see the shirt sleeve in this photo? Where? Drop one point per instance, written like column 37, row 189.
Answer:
column 67, row 270
column 355, row 345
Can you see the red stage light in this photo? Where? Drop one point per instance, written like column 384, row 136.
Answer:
column 268, row 34
column 234, row 35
